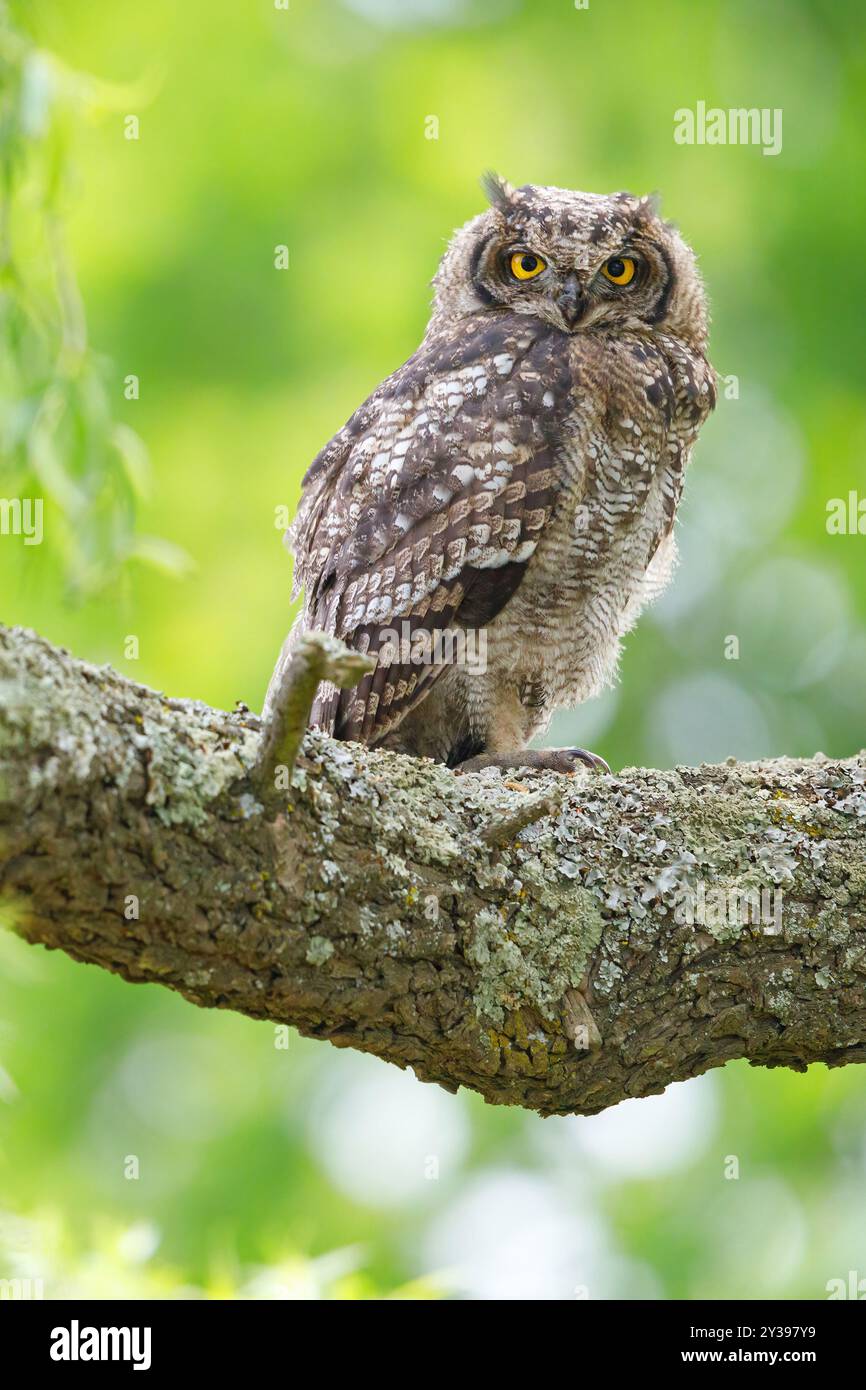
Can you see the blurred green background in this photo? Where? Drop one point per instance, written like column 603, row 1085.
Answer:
column 265, row 1172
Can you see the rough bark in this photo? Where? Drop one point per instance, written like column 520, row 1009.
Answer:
column 522, row 936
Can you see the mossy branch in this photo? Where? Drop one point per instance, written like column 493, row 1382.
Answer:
column 551, row 942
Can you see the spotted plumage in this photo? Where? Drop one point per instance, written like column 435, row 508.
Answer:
column 513, row 486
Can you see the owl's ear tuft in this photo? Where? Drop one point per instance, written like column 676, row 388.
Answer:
column 497, row 190
column 649, row 209
column 651, row 204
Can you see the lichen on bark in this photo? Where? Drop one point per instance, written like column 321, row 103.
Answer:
column 521, row 936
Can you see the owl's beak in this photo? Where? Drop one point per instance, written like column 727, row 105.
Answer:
column 571, row 300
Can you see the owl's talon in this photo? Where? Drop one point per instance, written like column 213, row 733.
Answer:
column 592, row 760
column 541, row 760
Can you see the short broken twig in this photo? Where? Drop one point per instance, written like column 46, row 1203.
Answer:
column 317, row 657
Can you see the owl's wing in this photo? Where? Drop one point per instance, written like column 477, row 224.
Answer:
column 686, row 394
column 425, row 508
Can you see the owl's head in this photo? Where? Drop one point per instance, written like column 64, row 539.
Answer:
column 576, row 260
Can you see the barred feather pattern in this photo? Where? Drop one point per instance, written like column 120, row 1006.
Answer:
column 519, row 474
column 453, row 475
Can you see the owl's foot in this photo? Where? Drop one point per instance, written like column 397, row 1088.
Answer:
column 543, row 759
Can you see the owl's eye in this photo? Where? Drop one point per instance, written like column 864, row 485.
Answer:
column 619, row 270
column 525, row 266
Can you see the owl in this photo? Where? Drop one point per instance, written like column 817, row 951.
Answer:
column 490, row 522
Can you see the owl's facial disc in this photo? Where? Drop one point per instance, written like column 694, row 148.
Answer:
column 580, row 262
column 571, row 286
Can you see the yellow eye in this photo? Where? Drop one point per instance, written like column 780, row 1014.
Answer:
column 525, row 266
column 619, row 270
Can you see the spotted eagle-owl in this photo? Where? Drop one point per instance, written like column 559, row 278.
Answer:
column 491, row 520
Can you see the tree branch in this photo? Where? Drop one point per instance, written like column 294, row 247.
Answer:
column 529, row 938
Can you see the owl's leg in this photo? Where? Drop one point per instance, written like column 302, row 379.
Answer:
column 542, row 759
column 513, row 714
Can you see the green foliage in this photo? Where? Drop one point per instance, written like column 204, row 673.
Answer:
column 59, row 436
column 122, row 1262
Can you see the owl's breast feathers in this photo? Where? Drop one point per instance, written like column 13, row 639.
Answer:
column 424, row 509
